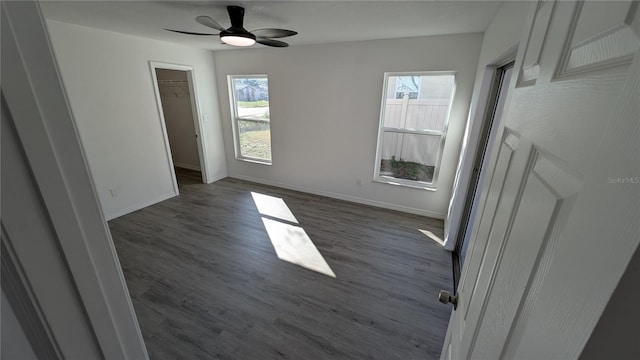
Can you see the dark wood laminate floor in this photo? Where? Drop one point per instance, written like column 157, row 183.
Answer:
column 206, row 282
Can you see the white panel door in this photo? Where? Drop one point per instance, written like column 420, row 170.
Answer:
column 558, row 215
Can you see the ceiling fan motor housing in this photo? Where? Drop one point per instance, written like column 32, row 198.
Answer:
column 236, row 15
column 237, row 32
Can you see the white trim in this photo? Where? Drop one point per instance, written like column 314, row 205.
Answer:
column 199, row 125
column 163, row 126
column 186, row 166
column 44, row 124
column 406, row 183
column 235, row 119
column 349, row 198
column 254, row 161
column 139, row 206
column 197, row 117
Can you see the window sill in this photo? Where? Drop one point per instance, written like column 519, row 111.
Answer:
column 255, row 161
column 405, row 184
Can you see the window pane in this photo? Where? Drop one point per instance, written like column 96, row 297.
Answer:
column 407, row 85
column 252, row 98
column 418, row 102
column 409, row 156
column 255, row 139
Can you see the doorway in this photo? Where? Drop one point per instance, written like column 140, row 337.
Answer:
column 177, row 106
column 495, row 105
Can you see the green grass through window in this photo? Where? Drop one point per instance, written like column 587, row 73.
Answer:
column 256, row 144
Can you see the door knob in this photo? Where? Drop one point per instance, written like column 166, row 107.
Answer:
column 446, row 298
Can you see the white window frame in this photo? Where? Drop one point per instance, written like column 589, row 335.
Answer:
column 382, row 130
column 235, row 118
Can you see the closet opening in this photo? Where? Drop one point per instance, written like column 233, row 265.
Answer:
column 178, row 110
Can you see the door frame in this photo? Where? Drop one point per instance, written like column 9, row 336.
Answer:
column 479, row 120
column 487, row 137
column 195, row 110
column 44, row 125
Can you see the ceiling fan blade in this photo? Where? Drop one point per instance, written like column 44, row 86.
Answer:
column 190, row 33
column 209, row 22
column 271, row 42
column 273, row 33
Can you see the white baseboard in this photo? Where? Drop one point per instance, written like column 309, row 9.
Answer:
column 187, row 166
column 139, row 206
column 349, row 198
column 213, row 179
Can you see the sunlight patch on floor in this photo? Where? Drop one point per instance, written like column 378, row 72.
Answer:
column 432, row 236
column 273, row 207
column 291, row 242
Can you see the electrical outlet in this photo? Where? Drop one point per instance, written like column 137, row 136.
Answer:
column 359, row 182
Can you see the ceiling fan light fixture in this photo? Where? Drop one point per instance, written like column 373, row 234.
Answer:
column 241, row 39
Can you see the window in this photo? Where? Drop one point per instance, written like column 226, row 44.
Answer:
column 407, row 85
column 250, row 116
column 413, row 126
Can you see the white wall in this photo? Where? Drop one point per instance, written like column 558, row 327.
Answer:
column 503, row 33
column 178, row 117
column 325, row 109
column 109, row 84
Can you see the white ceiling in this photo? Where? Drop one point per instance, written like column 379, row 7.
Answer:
column 317, row 22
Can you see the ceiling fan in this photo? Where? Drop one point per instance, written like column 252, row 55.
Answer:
column 237, row 35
